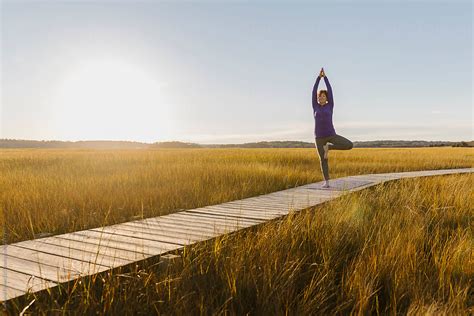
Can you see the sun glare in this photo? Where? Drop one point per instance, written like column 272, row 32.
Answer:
column 111, row 100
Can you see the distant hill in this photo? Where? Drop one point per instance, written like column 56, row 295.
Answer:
column 412, row 143
column 264, row 144
column 104, row 144
column 174, row 144
column 360, row 144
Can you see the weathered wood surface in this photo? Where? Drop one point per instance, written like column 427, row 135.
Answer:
column 42, row 263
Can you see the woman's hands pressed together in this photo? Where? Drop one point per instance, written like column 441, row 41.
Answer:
column 321, row 73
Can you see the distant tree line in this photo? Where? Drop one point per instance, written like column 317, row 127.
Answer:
column 412, row 143
column 104, row 144
column 464, row 144
column 174, row 144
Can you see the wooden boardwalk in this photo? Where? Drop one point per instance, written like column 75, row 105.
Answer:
column 35, row 265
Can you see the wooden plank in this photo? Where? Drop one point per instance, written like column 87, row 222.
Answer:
column 210, row 215
column 260, row 202
column 207, row 213
column 296, row 206
column 401, row 175
column 277, row 196
column 24, row 282
column 295, row 198
column 100, row 248
column 342, row 184
column 279, row 209
column 376, row 180
column 229, row 213
column 245, row 211
column 435, row 172
column 317, row 192
column 287, row 199
column 307, row 190
column 258, row 209
column 198, row 222
column 431, row 172
column 81, row 267
column 410, row 174
column 244, row 214
column 304, row 202
column 171, row 227
column 281, row 198
column 197, row 231
column 249, row 211
column 144, row 246
column 216, row 220
column 318, row 196
column 273, row 202
column 147, row 246
column 77, row 252
column 427, row 173
column 459, row 170
column 377, row 176
column 7, row 293
column 40, row 270
column 163, row 228
column 146, row 235
column 318, row 185
column 310, row 194
column 212, row 221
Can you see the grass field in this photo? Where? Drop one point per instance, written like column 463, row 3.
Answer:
column 401, row 247
column 59, row 191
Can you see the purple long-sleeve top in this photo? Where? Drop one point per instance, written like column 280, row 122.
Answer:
column 323, row 126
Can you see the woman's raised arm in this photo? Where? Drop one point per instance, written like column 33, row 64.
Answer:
column 328, row 86
column 315, row 93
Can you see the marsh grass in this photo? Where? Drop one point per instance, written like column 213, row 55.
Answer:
column 402, row 247
column 60, row 191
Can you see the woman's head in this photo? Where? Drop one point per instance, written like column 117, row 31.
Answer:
column 322, row 97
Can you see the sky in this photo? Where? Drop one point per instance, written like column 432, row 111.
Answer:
column 234, row 71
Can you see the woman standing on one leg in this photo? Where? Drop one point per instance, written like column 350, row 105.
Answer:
column 324, row 132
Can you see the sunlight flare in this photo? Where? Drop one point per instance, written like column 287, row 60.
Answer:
column 111, row 99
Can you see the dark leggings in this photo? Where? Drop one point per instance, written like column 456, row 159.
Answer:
column 337, row 142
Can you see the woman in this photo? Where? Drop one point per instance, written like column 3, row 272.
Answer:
column 324, row 132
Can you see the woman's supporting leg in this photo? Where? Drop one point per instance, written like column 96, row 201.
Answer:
column 340, row 143
column 324, row 162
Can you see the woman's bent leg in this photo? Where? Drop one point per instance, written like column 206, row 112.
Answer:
column 320, row 142
column 340, row 143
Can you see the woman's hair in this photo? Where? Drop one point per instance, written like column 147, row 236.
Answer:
column 323, row 91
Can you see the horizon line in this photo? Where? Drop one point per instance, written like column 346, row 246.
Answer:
column 188, row 142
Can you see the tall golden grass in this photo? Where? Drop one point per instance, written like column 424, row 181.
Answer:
column 404, row 247
column 59, row 191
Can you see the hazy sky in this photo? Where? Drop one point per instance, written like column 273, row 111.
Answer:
column 232, row 72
